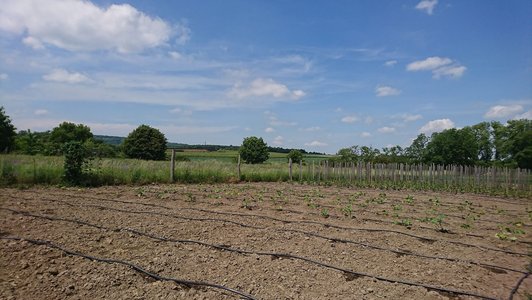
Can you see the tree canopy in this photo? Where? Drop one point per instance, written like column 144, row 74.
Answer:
column 254, row 150
column 146, row 143
column 7, row 132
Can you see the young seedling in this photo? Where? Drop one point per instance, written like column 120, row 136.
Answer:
column 348, row 210
column 438, row 220
column 409, row 199
column 325, row 213
column 405, row 222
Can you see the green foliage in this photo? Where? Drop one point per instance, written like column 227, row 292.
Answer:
column 295, row 155
column 254, row 150
column 405, row 222
column 145, row 143
column 68, row 132
column 452, row 146
column 417, row 151
column 325, row 213
column 76, row 157
column 7, row 132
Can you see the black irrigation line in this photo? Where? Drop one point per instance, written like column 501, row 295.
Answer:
column 131, row 265
column 397, row 252
column 293, row 211
column 327, row 225
column 349, row 273
column 516, row 287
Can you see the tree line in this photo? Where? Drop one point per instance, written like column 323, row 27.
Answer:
column 485, row 144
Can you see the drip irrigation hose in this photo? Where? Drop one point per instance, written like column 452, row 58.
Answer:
column 131, row 265
column 516, row 287
column 327, row 225
column 398, row 252
column 275, row 255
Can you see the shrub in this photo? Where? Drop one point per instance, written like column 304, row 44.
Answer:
column 295, row 155
column 146, row 143
column 76, row 157
column 254, row 150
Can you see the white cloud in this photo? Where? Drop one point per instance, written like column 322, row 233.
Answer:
column 62, row 75
column 33, row 43
column 79, row 25
column 386, row 129
column 181, row 111
column 278, row 140
column 390, row 63
column 384, row 91
column 261, row 87
column 440, row 67
column 368, row 120
column 365, row 134
column 315, row 144
column 175, row 55
column 311, row 129
column 429, row 63
column 410, row 118
column 350, row 119
column 525, row 115
column 274, row 121
column 427, row 5
column 40, row 112
column 269, row 130
column 454, row 71
column 436, row 126
column 4, row 76
column 503, row 111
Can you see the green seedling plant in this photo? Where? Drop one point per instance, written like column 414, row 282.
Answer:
column 348, row 210
column 397, row 207
column 409, row 199
column 325, row 213
column 405, row 222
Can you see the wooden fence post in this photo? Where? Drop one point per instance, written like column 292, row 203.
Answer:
column 300, row 170
column 172, row 166
column 238, row 168
column 290, row 168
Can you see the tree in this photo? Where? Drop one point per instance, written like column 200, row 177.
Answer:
column 146, row 143
column 254, row 150
column 417, row 151
column 68, row 132
column 482, row 133
column 295, row 155
column 7, row 132
column 452, row 146
column 350, row 154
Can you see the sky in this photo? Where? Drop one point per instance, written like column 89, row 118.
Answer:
column 317, row 75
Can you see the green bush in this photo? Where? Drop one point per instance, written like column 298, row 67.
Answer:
column 254, row 150
column 145, row 143
column 76, row 157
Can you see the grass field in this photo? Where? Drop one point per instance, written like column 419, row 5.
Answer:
column 232, row 155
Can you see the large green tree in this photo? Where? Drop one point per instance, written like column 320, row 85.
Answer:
column 254, row 150
column 295, row 155
column 7, row 132
column 67, row 132
column 146, row 143
column 417, row 151
column 452, row 146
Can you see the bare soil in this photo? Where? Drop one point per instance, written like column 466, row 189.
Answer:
column 343, row 243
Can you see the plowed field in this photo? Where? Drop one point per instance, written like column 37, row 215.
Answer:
column 263, row 240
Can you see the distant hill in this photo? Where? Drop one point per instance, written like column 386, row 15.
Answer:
column 117, row 140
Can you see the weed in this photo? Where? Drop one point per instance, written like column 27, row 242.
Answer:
column 190, row 197
column 348, row 210
column 325, row 213
column 405, row 222
column 397, row 207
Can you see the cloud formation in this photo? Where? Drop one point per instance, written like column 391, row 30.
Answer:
column 503, row 111
column 316, row 144
column 427, row 6
column 385, row 91
column 62, row 75
column 440, row 67
column 349, row 119
column 436, row 126
column 386, row 129
column 261, row 87
column 78, row 25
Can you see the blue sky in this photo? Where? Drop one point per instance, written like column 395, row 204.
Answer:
column 318, row 75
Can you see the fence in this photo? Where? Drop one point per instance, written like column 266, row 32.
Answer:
column 467, row 178
column 417, row 176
